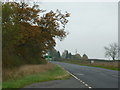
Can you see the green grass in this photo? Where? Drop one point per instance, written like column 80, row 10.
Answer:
column 91, row 65
column 0, row 84
column 53, row 74
column 105, row 67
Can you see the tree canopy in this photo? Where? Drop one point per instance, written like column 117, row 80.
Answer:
column 27, row 34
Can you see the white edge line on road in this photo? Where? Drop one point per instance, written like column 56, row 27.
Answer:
column 83, row 82
column 73, row 75
column 86, row 85
column 77, row 78
column 89, row 87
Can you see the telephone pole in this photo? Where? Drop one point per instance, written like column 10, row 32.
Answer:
column 76, row 51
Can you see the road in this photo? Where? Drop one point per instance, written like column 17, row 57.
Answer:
column 82, row 77
column 93, row 76
column 68, row 83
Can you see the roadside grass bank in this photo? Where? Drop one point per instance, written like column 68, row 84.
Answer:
column 34, row 73
column 101, row 64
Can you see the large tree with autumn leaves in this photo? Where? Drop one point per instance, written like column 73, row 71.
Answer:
column 29, row 32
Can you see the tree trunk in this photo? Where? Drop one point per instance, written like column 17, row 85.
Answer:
column 113, row 58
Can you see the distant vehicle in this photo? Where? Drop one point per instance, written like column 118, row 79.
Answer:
column 49, row 58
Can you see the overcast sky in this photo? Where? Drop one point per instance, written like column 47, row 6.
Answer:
column 92, row 26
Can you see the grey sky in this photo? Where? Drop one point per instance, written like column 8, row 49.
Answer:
column 92, row 26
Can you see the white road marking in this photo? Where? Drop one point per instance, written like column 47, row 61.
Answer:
column 77, row 78
column 79, row 74
column 86, row 84
column 83, row 82
column 89, row 87
column 115, row 75
column 73, row 75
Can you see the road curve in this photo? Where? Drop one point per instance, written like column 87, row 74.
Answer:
column 93, row 76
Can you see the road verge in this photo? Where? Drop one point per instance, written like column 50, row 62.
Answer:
column 54, row 73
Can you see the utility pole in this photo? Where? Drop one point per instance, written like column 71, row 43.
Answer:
column 76, row 51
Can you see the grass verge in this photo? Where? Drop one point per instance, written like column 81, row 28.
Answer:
column 105, row 65
column 56, row 73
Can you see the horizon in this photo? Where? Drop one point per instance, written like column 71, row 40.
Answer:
column 91, row 26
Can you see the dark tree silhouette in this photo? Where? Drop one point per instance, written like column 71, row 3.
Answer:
column 112, row 51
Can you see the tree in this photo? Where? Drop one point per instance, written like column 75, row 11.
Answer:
column 85, row 57
column 78, row 56
column 58, row 54
column 54, row 53
column 69, row 55
column 65, row 54
column 27, row 34
column 112, row 51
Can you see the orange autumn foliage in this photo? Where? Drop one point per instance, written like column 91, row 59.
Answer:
column 28, row 35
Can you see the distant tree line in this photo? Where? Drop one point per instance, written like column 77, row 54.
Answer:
column 65, row 55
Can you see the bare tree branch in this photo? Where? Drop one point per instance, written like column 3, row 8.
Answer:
column 112, row 51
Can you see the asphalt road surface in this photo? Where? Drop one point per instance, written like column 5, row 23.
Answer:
column 69, row 83
column 93, row 76
column 82, row 77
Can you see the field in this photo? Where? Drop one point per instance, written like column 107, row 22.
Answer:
column 112, row 65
